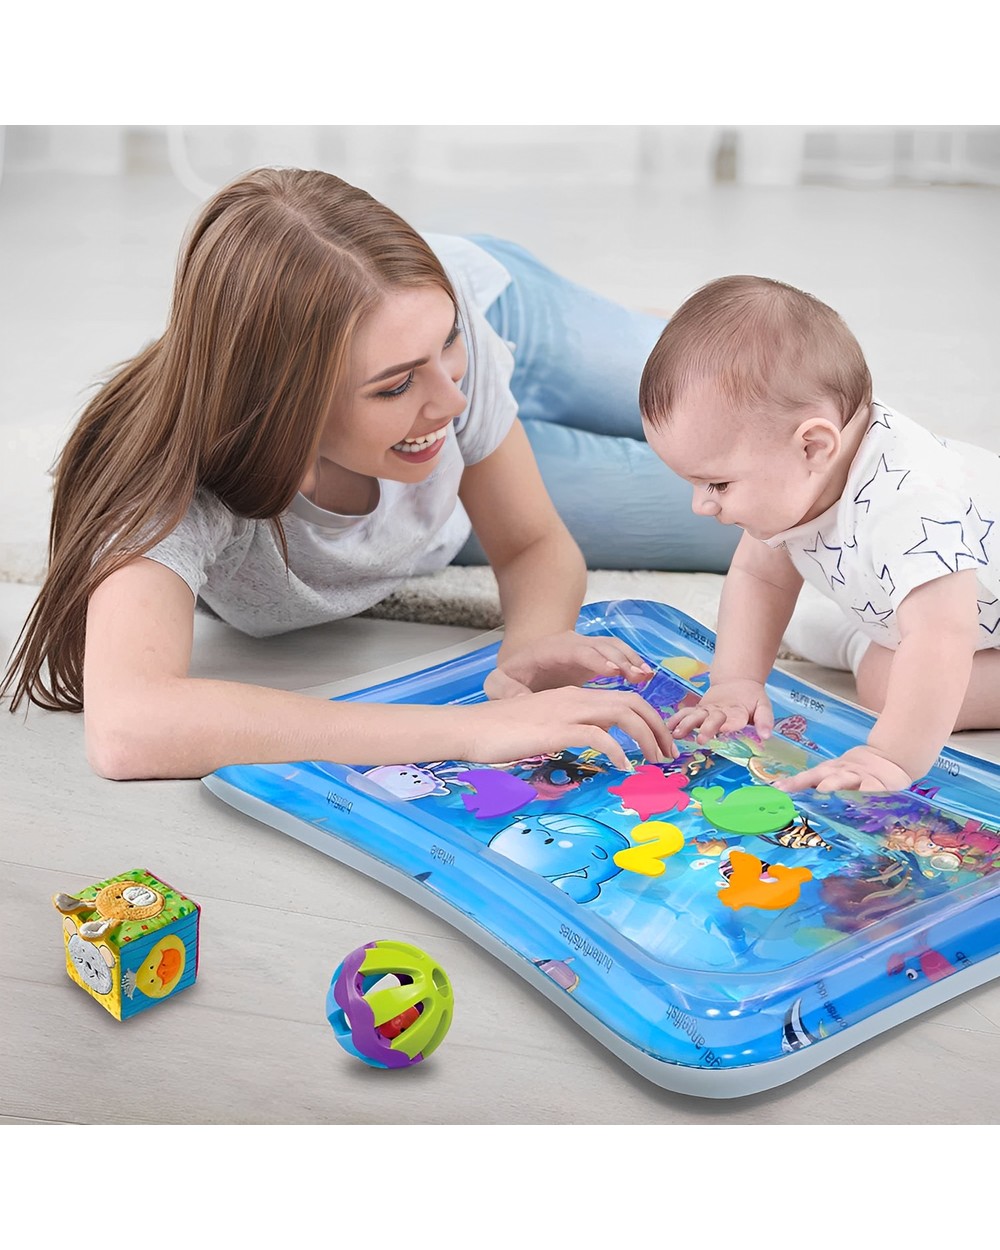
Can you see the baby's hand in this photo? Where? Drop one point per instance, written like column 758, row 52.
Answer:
column 564, row 659
column 728, row 706
column 860, row 768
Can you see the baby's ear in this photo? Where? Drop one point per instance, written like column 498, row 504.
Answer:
column 820, row 441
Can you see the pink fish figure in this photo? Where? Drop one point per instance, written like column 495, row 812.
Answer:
column 649, row 791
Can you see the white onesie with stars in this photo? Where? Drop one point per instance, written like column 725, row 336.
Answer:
column 915, row 508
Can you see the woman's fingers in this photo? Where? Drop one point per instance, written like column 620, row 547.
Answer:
column 600, row 740
column 681, row 723
column 654, row 744
column 633, row 716
column 661, row 733
column 621, row 656
column 500, row 685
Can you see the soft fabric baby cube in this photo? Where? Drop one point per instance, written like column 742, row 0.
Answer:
column 131, row 941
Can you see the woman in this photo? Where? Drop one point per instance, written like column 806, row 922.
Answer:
column 327, row 413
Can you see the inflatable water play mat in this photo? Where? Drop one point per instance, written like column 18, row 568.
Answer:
column 717, row 934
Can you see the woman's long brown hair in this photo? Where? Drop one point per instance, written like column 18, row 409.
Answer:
column 278, row 272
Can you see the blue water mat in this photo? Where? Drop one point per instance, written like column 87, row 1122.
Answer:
column 718, row 935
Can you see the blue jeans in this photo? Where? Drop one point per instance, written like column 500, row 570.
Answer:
column 577, row 362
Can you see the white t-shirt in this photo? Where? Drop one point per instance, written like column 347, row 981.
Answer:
column 341, row 565
column 915, row 508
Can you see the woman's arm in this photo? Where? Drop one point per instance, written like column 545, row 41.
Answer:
column 539, row 569
column 541, row 577
column 145, row 717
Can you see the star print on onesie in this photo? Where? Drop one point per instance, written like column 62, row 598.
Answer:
column 915, row 508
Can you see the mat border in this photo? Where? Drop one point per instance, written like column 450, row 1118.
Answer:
column 699, row 1082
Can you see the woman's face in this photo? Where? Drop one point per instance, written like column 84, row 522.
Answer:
column 403, row 393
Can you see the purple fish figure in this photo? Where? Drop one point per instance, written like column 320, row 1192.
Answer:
column 497, row 793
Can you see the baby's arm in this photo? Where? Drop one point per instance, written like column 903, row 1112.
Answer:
column 758, row 598
column 541, row 577
column 146, row 717
column 928, row 680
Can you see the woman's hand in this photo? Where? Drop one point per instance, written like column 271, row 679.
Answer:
column 553, row 720
column 564, row 659
column 726, row 707
column 860, row 768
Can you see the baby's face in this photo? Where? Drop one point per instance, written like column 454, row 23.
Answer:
column 745, row 469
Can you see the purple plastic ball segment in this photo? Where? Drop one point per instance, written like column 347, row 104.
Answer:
column 389, row 1004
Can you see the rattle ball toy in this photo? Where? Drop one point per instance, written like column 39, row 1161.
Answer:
column 131, row 941
column 389, row 1004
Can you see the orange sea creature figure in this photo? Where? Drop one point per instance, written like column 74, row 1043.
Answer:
column 747, row 888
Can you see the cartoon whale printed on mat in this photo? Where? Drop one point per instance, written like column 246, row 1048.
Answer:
column 575, row 853
column 748, row 810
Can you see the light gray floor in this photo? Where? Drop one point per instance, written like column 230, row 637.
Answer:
column 85, row 268
column 249, row 1042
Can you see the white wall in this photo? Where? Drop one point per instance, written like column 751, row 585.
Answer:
column 205, row 156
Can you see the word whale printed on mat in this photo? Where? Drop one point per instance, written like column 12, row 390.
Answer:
column 649, row 790
column 575, row 853
column 747, row 888
column 496, row 793
column 658, row 841
column 748, row 810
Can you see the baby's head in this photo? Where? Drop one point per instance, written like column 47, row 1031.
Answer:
column 747, row 394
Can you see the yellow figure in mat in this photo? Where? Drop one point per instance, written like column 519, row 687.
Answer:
column 659, row 840
column 684, row 666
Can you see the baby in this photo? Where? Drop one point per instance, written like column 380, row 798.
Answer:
column 759, row 395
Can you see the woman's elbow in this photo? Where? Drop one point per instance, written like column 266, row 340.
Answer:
column 112, row 755
column 122, row 746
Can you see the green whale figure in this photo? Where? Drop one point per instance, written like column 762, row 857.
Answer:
column 750, row 809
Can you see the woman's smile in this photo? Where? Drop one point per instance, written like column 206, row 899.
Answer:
column 423, row 448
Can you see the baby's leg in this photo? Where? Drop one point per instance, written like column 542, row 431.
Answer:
column 981, row 708
column 819, row 631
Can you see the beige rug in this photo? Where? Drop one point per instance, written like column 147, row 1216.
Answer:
column 468, row 595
